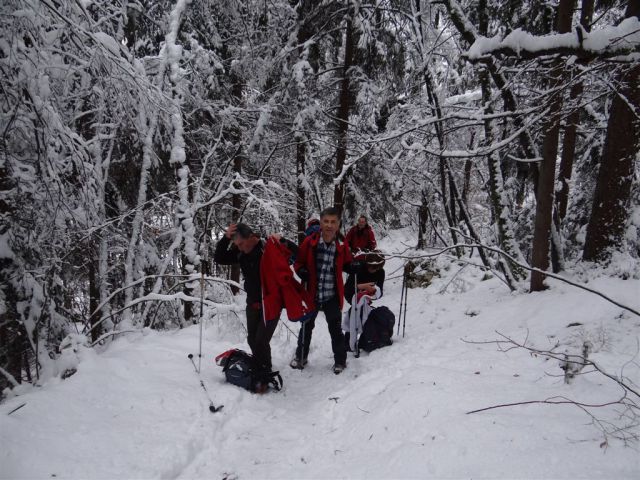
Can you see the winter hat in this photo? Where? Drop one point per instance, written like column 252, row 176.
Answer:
column 374, row 259
column 313, row 226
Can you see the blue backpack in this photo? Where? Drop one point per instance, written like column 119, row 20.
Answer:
column 240, row 369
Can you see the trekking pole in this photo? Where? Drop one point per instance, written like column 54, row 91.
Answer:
column 304, row 324
column 404, row 279
column 212, row 407
column 355, row 333
column 201, row 315
column 404, row 320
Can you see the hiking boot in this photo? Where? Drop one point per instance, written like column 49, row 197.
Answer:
column 297, row 363
column 338, row 368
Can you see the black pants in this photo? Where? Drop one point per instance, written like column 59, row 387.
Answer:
column 331, row 309
column 258, row 337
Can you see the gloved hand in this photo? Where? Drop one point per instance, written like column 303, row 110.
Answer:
column 306, row 317
column 303, row 273
column 356, row 266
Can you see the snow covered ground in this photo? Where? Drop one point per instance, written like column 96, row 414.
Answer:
column 136, row 409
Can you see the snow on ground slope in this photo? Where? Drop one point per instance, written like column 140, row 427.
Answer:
column 137, row 410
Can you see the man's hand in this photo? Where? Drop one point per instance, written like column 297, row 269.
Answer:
column 303, row 273
column 231, row 230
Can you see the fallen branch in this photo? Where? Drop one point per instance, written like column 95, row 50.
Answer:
column 520, row 264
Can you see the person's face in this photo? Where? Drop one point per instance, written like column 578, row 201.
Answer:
column 329, row 226
column 362, row 223
column 245, row 245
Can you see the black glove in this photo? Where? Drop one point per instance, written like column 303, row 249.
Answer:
column 356, row 267
column 303, row 273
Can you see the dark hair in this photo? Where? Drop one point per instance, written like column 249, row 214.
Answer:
column 365, row 218
column 330, row 211
column 375, row 259
column 243, row 231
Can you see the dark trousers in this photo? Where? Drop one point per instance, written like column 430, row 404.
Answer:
column 331, row 309
column 258, row 337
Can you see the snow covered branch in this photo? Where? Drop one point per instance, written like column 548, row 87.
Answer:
column 614, row 41
column 522, row 265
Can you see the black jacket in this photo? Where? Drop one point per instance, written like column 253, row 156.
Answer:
column 249, row 264
column 364, row 276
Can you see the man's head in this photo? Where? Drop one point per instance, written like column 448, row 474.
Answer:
column 329, row 223
column 362, row 222
column 244, row 238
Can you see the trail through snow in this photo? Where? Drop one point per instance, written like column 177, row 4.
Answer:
column 136, row 410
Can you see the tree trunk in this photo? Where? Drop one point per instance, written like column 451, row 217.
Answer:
column 423, row 218
column 497, row 196
column 184, row 209
column 301, row 191
column 610, row 210
column 304, row 33
column 569, row 139
column 547, row 170
column 236, row 204
column 448, row 202
column 94, row 290
column 468, row 165
column 343, row 116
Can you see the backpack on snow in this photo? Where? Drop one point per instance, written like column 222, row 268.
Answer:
column 377, row 330
column 240, row 369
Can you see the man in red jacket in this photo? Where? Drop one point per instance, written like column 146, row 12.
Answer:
column 361, row 237
column 241, row 245
column 320, row 262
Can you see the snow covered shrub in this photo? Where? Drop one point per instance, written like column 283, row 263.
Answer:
column 71, row 350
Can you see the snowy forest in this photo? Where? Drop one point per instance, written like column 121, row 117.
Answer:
column 501, row 137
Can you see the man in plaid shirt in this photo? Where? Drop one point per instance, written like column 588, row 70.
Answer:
column 320, row 262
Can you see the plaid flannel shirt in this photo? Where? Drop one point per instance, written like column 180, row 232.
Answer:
column 325, row 268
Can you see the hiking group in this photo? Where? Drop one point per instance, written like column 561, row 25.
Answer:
column 305, row 280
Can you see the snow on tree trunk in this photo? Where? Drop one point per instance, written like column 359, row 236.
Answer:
column 343, row 115
column 184, row 210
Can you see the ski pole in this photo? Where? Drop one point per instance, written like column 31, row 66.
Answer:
column 212, row 407
column 201, row 314
column 17, row 408
column 355, row 333
column 404, row 320
column 304, row 324
column 404, row 279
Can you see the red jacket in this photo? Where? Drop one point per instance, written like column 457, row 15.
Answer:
column 361, row 239
column 279, row 288
column 307, row 258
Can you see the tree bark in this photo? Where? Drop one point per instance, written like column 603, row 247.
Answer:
column 569, row 139
column 94, row 289
column 499, row 203
column 610, row 210
column 236, row 204
column 301, row 191
column 343, row 115
column 547, row 169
